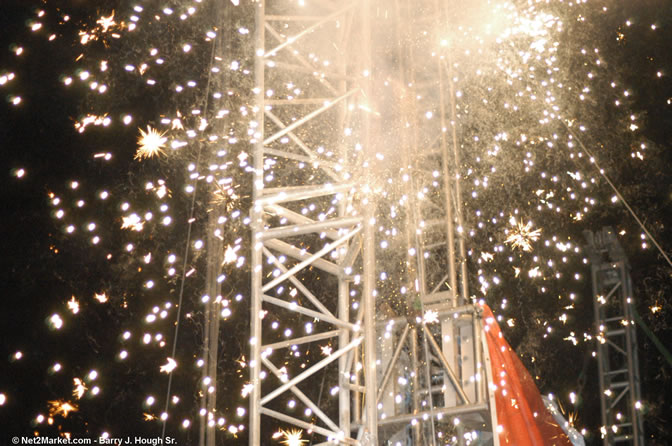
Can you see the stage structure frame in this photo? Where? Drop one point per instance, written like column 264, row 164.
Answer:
column 450, row 354
column 322, row 55
column 326, row 95
column 618, row 365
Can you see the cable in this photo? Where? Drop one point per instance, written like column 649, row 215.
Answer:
column 186, row 254
column 181, row 294
column 620, row 197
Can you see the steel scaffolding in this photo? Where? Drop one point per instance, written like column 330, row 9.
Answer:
column 618, row 367
column 449, row 391
column 321, row 96
column 309, row 212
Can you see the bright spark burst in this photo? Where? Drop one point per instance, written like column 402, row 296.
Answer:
column 430, row 317
column 106, row 22
column 73, row 305
column 326, row 350
column 162, row 191
column 522, row 235
column 247, row 388
column 151, row 144
column 132, row 222
column 102, row 297
column 103, row 26
column 80, row 388
column 292, row 437
column 230, row 255
column 168, row 366
column 60, row 407
column 176, row 124
column 225, row 195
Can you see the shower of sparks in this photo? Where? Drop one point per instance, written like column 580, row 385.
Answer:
column 103, row 26
column 151, row 143
column 522, row 235
column 514, row 69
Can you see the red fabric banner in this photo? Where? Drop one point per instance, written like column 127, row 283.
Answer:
column 521, row 415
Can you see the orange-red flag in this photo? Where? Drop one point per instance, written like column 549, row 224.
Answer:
column 521, row 414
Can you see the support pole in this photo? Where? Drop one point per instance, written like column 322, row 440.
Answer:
column 618, row 366
column 257, row 228
column 369, row 259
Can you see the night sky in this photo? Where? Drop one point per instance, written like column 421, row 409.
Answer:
column 43, row 266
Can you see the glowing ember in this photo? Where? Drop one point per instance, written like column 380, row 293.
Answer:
column 73, row 305
column 102, row 297
column 293, row 437
column 132, row 222
column 522, row 235
column 61, row 407
column 169, row 366
column 79, row 389
column 151, row 144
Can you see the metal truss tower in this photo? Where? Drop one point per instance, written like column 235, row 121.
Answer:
column 323, row 99
column 311, row 222
column 618, row 367
column 446, row 362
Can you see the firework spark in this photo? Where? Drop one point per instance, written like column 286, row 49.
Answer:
column 106, row 22
column 247, row 388
column 132, row 222
column 430, row 317
column 80, row 388
column 168, row 366
column 60, row 407
column 73, row 305
column 522, row 235
column 292, row 437
column 151, row 144
column 326, row 350
column 102, row 297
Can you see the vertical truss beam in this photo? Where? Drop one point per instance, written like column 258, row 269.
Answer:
column 312, row 256
column 449, row 358
column 618, row 366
